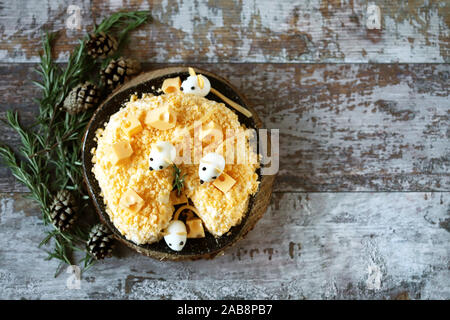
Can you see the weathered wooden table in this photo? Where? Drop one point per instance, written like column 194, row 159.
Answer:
column 361, row 207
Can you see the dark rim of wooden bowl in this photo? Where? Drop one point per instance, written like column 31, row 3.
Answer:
column 149, row 82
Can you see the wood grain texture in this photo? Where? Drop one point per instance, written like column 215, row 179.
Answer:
column 243, row 31
column 365, row 128
column 315, row 245
column 342, row 127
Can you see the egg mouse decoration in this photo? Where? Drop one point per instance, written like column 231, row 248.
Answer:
column 196, row 84
column 176, row 235
column 211, row 166
column 162, row 155
column 199, row 84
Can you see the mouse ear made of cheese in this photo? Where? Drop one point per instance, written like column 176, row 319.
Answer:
column 233, row 104
column 191, row 71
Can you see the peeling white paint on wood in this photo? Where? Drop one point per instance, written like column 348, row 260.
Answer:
column 343, row 128
column 308, row 245
column 248, row 31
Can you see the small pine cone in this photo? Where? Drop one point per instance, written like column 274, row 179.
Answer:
column 101, row 242
column 119, row 71
column 101, row 45
column 81, row 98
column 63, row 210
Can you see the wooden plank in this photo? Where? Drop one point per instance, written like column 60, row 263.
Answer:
column 308, row 245
column 244, row 31
column 342, row 127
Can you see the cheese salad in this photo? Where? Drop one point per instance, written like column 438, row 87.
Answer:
column 138, row 200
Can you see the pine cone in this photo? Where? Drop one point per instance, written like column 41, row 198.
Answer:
column 101, row 45
column 118, row 71
column 101, row 242
column 63, row 210
column 81, row 98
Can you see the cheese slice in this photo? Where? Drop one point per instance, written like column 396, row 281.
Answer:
column 175, row 199
column 171, row 85
column 131, row 200
column 224, row 182
column 132, row 126
column 161, row 118
column 195, row 228
column 120, row 151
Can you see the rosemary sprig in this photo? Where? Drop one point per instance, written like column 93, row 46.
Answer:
column 178, row 179
column 48, row 158
column 20, row 170
column 123, row 23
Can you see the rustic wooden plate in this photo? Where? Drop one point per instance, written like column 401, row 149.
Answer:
column 149, row 82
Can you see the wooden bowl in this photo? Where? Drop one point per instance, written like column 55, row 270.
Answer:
column 209, row 246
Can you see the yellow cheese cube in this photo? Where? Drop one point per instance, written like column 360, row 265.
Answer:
column 211, row 132
column 224, row 182
column 195, row 228
column 121, row 150
column 171, row 85
column 175, row 199
column 131, row 201
column 161, row 118
column 132, row 126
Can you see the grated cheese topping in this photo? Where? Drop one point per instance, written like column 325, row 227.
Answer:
column 219, row 211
